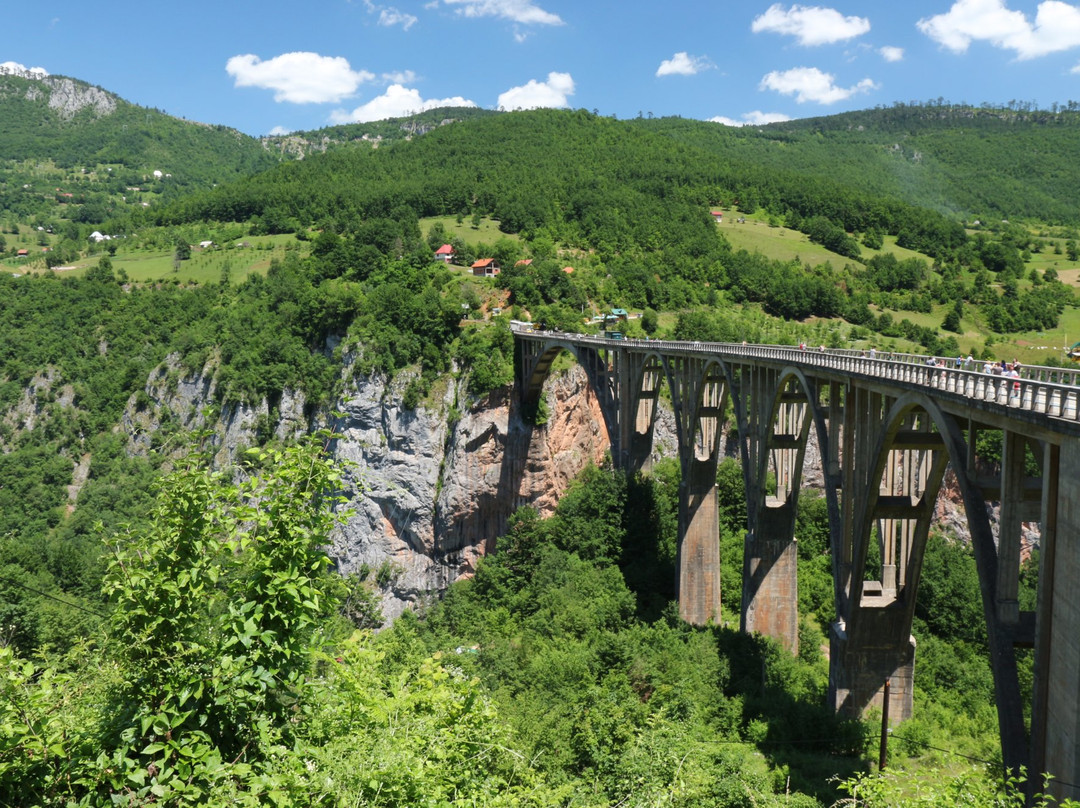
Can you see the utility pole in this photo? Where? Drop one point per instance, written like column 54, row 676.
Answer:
column 884, row 728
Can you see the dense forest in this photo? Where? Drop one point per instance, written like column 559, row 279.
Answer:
column 173, row 633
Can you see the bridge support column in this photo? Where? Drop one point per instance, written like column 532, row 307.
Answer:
column 859, row 666
column 770, row 578
column 1056, row 712
column 699, row 545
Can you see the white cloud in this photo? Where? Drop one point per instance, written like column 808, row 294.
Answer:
column 520, row 11
column 300, row 77
column 1056, row 27
column 399, row 77
column 396, row 102
column 279, row 130
column 755, row 118
column 891, row 54
column 552, row 93
column 811, row 84
column 683, row 64
column 811, row 25
column 15, row 67
column 391, row 16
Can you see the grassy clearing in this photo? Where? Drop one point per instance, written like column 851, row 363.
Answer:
column 486, row 233
column 778, row 243
column 785, row 244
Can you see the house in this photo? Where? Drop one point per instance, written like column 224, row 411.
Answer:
column 568, row 270
column 445, row 253
column 22, row 253
column 524, row 262
column 206, row 244
column 620, row 315
column 718, row 215
column 486, row 268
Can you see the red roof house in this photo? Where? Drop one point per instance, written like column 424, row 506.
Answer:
column 445, row 253
column 486, row 267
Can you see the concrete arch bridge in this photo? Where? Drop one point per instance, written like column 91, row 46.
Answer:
column 887, row 427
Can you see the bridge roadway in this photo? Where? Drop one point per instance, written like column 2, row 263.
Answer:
column 889, row 429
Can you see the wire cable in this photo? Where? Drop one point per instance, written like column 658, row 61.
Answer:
column 80, row 607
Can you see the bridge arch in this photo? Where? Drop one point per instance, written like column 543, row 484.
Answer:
column 917, row 443
column 533, row 367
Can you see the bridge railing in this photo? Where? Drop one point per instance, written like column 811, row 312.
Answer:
column 1048, row 391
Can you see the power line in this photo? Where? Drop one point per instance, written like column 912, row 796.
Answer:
column 81, row 608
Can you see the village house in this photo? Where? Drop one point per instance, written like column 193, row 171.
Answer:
column 486, row 268
column 445, row 253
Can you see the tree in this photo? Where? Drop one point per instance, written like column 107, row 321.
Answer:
column 952, row 319
column 216, row 603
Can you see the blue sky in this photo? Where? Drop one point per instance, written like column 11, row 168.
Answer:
column 264, row 66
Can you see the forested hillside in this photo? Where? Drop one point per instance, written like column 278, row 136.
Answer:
column 169, row 629
column 985, row 163
column 63, row 137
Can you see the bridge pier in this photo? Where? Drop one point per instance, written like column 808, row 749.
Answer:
column 1055, row 719
column 770, row 604
column 861, row 662
column 699, row 546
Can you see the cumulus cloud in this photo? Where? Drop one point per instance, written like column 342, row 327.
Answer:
column 683, row 64
column 891, row 54
column 810, row 25
column 811, row 84
column 396, row 102
column 279, row 130
column 300, row 77
column 551, row 93
column 15, row 67
column 755, row 118
column 1056, row 27
column 519, row 11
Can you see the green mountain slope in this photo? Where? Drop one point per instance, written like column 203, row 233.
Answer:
column 62, row 136
column 969, row 161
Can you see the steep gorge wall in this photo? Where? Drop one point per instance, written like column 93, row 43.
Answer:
column 430, row 489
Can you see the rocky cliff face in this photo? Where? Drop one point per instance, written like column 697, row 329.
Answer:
column 430, row 489
column 66, row 96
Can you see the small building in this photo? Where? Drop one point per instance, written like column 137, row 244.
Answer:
column 206, row 244
column 524, row 262
column 445, row 253
column 718, row 215
column 22, row 253
column 568, row 270
column 486, row 268
column 620, row 315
